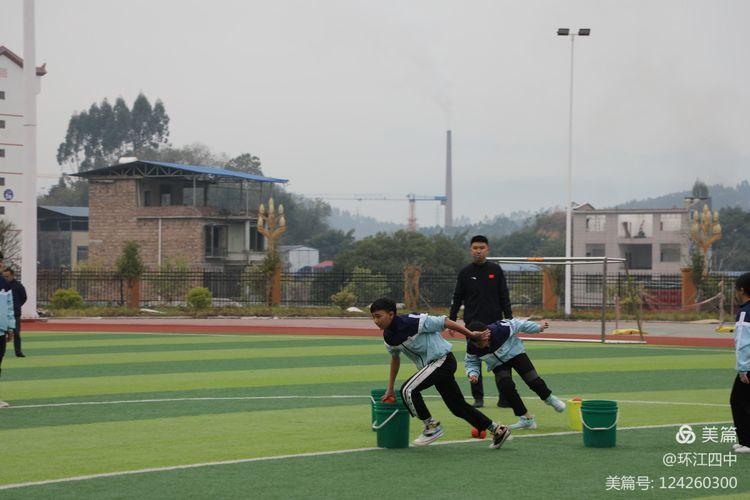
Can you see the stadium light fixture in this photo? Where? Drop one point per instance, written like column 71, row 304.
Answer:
column 569, row 207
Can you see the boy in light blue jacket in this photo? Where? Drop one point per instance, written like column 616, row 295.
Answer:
column 504, row 352
column 7, row 325
column 740, row 398
column 418, row 337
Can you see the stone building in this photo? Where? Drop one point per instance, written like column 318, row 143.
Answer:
column 203, row 216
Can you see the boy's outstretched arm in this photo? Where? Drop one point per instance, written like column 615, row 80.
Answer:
column 473, row 366
column 393, row 372
column 452, row 325
column 523, row 326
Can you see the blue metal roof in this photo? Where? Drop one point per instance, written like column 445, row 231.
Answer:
column 194, row 169
column 68, row 211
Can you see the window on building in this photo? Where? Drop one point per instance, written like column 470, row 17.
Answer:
column 80, row 225
column 670, row 222
column 595, row 223
column 165, row 195
column 2, row 123
column 49, row 225
column 671, row 252
column 217, row 240
column 595, row 250
column 2, row 210
column 2, row 181
column 637, row 256
column 256, row 240
column 3, row 72
column 2, row 95
column 2, row 153
column 147, row 198
column 635, row 226
column 82, row 253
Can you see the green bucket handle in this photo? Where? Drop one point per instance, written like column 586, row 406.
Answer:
column 599, row 428
column 372, row 399
column 376, row 427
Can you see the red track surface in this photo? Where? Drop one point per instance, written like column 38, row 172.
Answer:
column 40, row 326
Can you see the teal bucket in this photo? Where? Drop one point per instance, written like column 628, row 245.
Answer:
column 598, row 403
column 375, row 396
column 599, row 419
column 391, row 422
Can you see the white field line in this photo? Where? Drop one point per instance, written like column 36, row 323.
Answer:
column 261, row 398
column 302, row 455
column 592, row 340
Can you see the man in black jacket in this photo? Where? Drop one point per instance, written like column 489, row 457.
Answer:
column 19, row 299
column 482, row 289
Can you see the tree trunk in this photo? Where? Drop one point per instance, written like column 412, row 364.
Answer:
column 275, row 284
column 133, row 293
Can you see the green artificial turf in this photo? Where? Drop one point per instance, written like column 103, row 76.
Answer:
column 189, row 399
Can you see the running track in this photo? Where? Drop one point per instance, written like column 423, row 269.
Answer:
column 278, row 328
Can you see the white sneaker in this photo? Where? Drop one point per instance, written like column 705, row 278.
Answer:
column 431, row 433
column 524, row 423
column 735, row 446
column 3, row 404
column 556, row 403
column 742, row 449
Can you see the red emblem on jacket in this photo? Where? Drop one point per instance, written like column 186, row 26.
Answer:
column 492, row 276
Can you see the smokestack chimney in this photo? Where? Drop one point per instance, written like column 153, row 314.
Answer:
column 448, row 182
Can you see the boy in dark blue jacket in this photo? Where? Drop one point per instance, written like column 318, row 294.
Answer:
column 418, row 337
column 503, row 352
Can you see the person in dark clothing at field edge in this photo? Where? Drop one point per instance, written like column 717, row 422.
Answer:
column 740, row 397
column 19, row 298
column 482, row 289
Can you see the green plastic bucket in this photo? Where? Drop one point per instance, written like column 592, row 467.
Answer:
column 598, row 403
column 599, row 420
column 391, row 423
column 375, row 396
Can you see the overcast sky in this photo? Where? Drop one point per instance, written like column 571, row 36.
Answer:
column 353, row 96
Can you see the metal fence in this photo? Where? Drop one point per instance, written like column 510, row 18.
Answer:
column 241, row 288
column 660, row 291
column 315, row 289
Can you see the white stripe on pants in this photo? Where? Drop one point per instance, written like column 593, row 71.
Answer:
column 417, row 379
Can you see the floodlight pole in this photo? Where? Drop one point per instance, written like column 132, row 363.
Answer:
column 29, row 229
column 569, row 205
column 604, row 300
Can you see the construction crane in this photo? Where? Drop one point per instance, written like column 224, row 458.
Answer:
column 411, row 198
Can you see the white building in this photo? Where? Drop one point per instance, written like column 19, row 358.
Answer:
column 653, row 241
column 12, row 134
column 295, row 257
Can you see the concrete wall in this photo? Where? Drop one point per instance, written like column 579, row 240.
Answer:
column 11, row 138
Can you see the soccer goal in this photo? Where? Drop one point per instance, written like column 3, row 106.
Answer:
column 605, row 263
